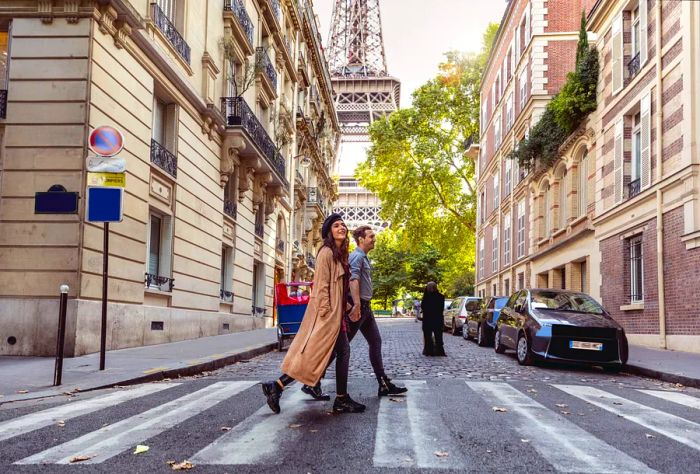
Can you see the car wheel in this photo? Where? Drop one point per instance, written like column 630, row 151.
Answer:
column 480, row 336
column 497, row 344
column 523, row 351
column 453, row 330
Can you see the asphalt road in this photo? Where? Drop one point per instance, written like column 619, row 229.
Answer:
column 473, row 411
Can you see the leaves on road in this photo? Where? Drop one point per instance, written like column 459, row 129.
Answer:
column 531, row 390
column 180, row 466
column 562, row 405
column 141, row 448
column 525, row 440
column 499, row 409
column 441, row 454
column 81, row 457
column 225, row 428
column 564, row 412
column 295, row 425
column 22, row 391
column 617, row 403
column 61, row 423
column 649, row 436
column 398, row 400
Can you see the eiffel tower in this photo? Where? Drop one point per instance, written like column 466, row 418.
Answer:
column 364, row 92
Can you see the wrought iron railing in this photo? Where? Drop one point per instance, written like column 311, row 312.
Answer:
column 633, row 66
column 165, row 160
column 230, row 208
column 300, row 177
column 313, row 195
column 633, row 188
column 151, row 280
column 263, row 61
column 239, row 11
column 260, row 230
column 276, row 9
column 257, row 311
column 288, row 45
column 3, row 103
column 166, row 27
column 226, row 296
column 238, row 114
column 313, row 95
column 280, row 245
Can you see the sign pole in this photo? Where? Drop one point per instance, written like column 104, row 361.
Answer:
column 105, row 272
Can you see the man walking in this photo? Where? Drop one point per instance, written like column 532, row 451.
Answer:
column 361, row 316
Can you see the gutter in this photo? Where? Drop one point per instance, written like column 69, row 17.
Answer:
column 663, row 342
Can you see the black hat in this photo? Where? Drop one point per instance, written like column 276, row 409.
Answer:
column 325, row 230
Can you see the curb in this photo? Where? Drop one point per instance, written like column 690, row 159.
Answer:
column 191, row 369
column 665, row 376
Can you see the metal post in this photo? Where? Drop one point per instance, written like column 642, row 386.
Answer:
column 61, row 338
column 105, row 272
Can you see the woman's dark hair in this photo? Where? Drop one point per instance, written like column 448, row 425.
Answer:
column 340, row 254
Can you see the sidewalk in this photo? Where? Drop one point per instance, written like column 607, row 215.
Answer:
column 124, row 366
column 669, row 366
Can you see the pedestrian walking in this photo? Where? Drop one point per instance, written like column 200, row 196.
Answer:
column 433, row 305
column 361, row 316
column 323, row 332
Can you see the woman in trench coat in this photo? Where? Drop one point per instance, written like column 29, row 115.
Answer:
column 323, row 329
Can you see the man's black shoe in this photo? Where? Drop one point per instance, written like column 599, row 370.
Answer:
column 315, row 392
column 347, row 405
column 388, row 388
column 273, row 392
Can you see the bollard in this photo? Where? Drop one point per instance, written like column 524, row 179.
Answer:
column 61, row 338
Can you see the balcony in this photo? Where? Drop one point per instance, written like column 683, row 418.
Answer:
column 158, row 282
column 3, row 103
column 302, row 69
column 633, row 66
column 226, row 296
column 317, row 202
column 315, row 99
column 163, row 158
column 240, row 24
column 264, row 67
column 230, row 209
column 260, row 230
column 634, row 188
column 280, row 246
column 240, row 120
column 173, row 36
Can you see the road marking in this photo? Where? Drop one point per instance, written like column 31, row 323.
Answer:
column 672, row 426
column 408, row 436
column 256, row 439
column 111, row 440
column 41, row 419
column 565, row 445
column 675, row 397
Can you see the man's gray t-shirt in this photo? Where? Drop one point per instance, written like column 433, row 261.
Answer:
column 361, row 270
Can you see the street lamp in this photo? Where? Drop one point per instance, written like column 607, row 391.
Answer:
column 304, row 160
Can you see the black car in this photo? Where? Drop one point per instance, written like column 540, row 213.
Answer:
column 482, row 324
column 560, row 325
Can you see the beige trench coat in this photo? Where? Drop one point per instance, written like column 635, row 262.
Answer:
column 312, row 347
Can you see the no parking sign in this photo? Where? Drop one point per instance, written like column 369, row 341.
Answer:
column 105, row 193
column 106, row 141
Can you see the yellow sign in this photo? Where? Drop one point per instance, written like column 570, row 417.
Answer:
column 115, row 180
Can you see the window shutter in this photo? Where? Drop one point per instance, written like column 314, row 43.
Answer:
column 617, row 54
column 645, row 111
column 643, row 25
column 619, row 162
column 527, row 27
column 516, row 51
column 512, row 57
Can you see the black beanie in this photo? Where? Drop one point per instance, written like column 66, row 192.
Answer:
column 325, row 230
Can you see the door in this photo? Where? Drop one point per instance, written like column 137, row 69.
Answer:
column 509, row 317
column 452, row 311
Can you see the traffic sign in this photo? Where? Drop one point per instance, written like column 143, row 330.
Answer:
column 102, row 164
column 112, row 180
column 105, row 204
column 106, row 141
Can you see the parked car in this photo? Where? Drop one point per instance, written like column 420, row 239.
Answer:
column 456, row 314
column 482, row 324
column 560, row 325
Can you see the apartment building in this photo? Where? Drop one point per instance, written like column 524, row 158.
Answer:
column 228, row 121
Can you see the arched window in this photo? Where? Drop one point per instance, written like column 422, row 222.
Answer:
column 583, row 184
column 563, row 208
column 545, row 210
column 281, row 234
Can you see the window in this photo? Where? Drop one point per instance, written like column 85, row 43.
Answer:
column 545, row 211
column 482, row 207
column 494, row 250
column 258, row 295
column 636, row 153
column 516, row 171
column 226, row 292
column 497, row 132
column 231, row 87
column 494, row 289
column 523, row 88
column 169, row 8
column 496, row 189
column 521, row 229
column 635, row 32
column 159, row 252
column 506, row 239
column 583, row 184
column 563, row 202
column 509, row 111
column 481, row 257
column 636, row 270
column 484, row 114
column 507, row 176
column 521, row 281
column 506, row 287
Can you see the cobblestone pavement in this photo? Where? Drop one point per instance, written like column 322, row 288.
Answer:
column 402, row 345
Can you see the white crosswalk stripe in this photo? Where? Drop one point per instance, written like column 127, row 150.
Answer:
column 256, row 439
column 674, row 427
column 407, row 436
column 565, row 445
column 675, row 397
column 73, row 409
column 111, row 440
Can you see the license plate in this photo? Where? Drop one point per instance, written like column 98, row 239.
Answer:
column 588, row 346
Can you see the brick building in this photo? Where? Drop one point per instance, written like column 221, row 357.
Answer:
column 608, row 216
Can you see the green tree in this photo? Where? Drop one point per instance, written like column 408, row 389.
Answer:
column 423, row 266
column 388, row 269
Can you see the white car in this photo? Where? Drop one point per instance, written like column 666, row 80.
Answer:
column 456, row 314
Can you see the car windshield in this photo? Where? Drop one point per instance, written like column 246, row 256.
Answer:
column 500, row 303
column 561, row 301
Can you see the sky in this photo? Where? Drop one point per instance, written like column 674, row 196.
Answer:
column 416, row 37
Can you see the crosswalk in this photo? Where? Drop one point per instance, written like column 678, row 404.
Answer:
column 404, row 432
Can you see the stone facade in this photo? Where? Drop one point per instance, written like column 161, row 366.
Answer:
column 218, row 108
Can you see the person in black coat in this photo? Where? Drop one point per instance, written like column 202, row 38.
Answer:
column 433, row 305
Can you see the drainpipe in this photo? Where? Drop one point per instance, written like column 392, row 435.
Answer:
column 659, row 176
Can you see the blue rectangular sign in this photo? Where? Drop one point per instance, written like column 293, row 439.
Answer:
column 105, row 204
column 56, row 202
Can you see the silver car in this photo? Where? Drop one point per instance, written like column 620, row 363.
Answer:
column 456, row 314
